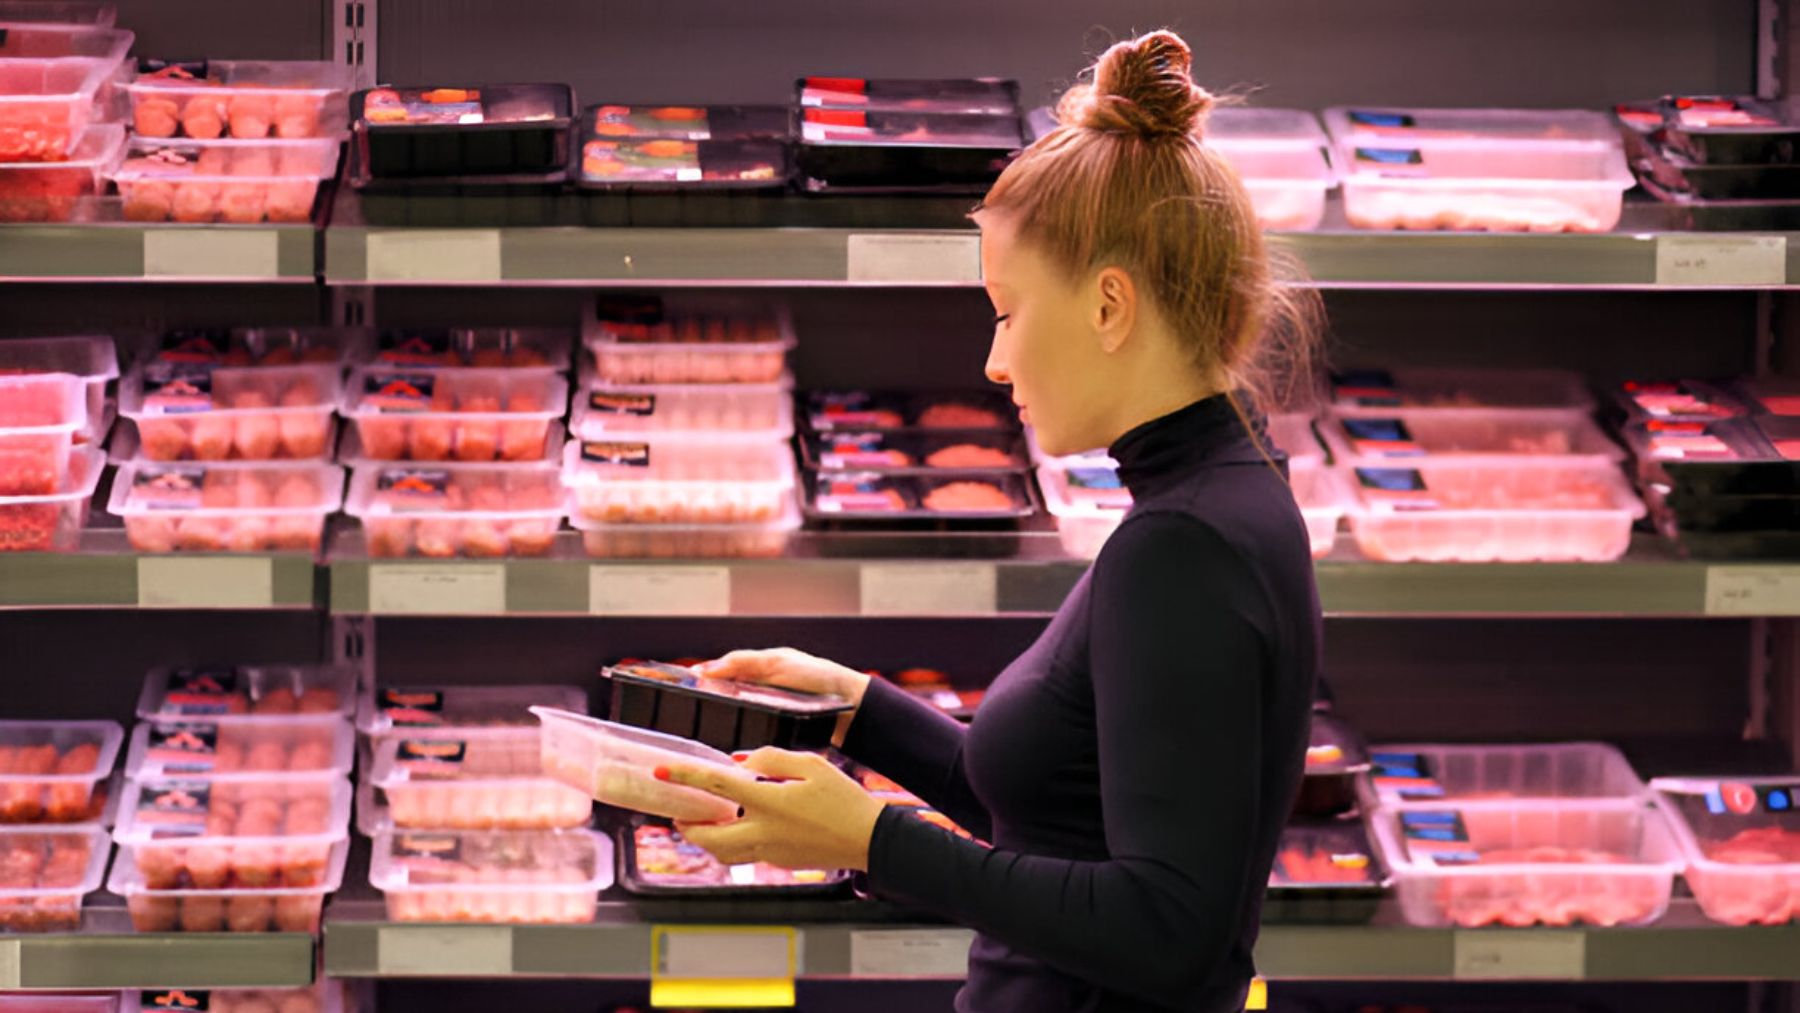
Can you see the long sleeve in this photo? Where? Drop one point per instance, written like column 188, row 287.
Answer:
column 1178, row 645
column 918, row 746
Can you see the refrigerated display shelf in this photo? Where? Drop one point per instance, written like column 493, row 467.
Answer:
column 137, row 251
column 106, row 573
column 107, row 954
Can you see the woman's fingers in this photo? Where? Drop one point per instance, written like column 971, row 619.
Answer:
column 738, row 666
column 725, row 784
column 784, row 764
column 731, row 843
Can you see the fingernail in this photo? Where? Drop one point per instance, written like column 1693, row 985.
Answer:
column 740, row 757
column 660, row 773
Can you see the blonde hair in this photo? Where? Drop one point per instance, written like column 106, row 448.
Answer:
column 1125, row 180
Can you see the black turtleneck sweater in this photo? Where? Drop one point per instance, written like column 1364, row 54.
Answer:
column 1134, row 767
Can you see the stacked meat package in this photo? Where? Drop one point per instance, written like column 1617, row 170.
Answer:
column 1715, row 152
column 1719, row 463
column 905, row 134
column 1326, row 869
column 236, row 810
column 681, row 426
column 57, row 796
column 59, row 108
column 467, row 823
column 54, row 411
column 457, row 433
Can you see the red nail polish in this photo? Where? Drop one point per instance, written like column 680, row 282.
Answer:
column 740, row 757
column 660, row 773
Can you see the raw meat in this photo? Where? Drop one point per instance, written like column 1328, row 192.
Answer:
column 508, row 878
column 33, row 862
column 497, row 784
column 664, row 858
column 970, row 455
column 952, row 415
column 23, row 800
column 968, row 497
column 684, row 482
column 262, row 814
column 482, row 512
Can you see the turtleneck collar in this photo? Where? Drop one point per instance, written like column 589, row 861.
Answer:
column 1163, row 450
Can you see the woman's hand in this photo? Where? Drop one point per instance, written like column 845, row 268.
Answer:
column 811, row 815
column 786, row 668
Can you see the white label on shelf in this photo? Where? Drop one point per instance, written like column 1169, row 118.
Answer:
column 746, row 953
column 1505, row 955
column 437, row 589
column 212, row 253
column 659, row 590
column 1721, row 260
column 1753, row 590
column 462, row 951
column 206, row 582
column 434, row 255
column 916, row 257
column 910, row 953
column 10, row 964
column 930, row 589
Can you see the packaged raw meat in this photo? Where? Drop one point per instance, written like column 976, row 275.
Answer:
column 537, row 348
column 1279, row 154
column 193, row 411
column 688, row 123
column 1768, row 395
column 198, row 834
column 240, row 99
column 752, row 540
column 1377, row 436
column 870, row 496
column 50, row 77
column 667, row 164
column 225, row 507
column 90, row 359
column 729, row 716
column 49, row 770
column 1323, row 502
column 1740, row 838
column 240, row 748
column 442, row 510
column 256, row 691
column 1728, row 457
column 325, row 996
column 1498, row 511
column 53, row 523
column 507, row 877
column 832, row 410
column 1326, row 871
column 260, row 346
column 225, row 909
column 1421, row 388
column 240, row 182
column 1677, row 401
column 900, row 452
column 58, row 1002
column 603, row 411
column 657, row 479
column 854, row 149
column 45, row 873
column 48, row 191
column 616, row 764
column 1502, row 773
column 396, row 709
column 473, row 779
column 39, row 417
column 471, row 415
column 1337, row 765
column 1088, row 501
column 1594, row 862
column 350, row 453
column 68, row 13
column 656, row 861
column 1496, row 170
column 981, row 95
column 1729, row 130
column 491, row 130
column 691, row 341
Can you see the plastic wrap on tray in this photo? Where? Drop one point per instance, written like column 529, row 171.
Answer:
column 470, row 415
column 453, row 509
column 978, row 95
column 456, row 131
column 44, row 874
column 688, row 123
column 225, row 909
column 241, row 99
column 195, row 411
column 616, row 764
column 1378, row 435
column 854, row 149
column 1740, row 838
column 645, row 164
column 1730, row 457
column 679, row 481
column 49, row 770
column 389, row 710
column 1501, row 773
column 657, row 861
column 730, row 716
column 49, row 191
column 1505, row 511
column 1326, row 871
column 832, row 410
column 237, row 347
column 538, row 348
column 240, row 748
column 50, row 77
column 913, row 452
column 197, row 834
column 53, row 522
column 1431, row 388
column 510, row 877
column 645, row 340
column 91, row 359
column 473, row 779
column 872, row 496
column 752, row 411
column 1337, row 762
column 1677, row 401
column 40, row 416
column 225, row 507
column 631, row 540
column 1555, row 863
column 270, row 691
column 241, row 182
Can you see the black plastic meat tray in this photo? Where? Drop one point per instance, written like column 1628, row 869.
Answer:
column 525, row 132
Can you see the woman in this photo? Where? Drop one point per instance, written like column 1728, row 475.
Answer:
column 1134, row 767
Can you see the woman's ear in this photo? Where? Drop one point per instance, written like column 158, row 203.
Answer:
column 1115, row 308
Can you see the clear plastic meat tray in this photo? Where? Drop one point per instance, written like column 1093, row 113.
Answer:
column 50, row 769
column 193, row 411
column 47, row 102
column 751, row 411
column 1087, row 501
column 53, row 522
column 50, row 191
column 268, row 691
column 471, row 415
column 1377, row 436
column 324, row 996
column 242, row 99
column 441, row 510
column 1435, row 388
column 241, row 748
column 1501, row 773
column 195, row 834
column 687, row 342
column 616, row 764
column 1279, row 154
column 240, row 182
column 679, row 481
column 509, row 877
column 225, row 909
column 39, row 418
column 389, row 710
column 473, row 779
column 1323, row 502
column 226, row 507
column 92, row 359
column 1740, row 838
column 538, row 348
column 49, row 871
column 753, row 540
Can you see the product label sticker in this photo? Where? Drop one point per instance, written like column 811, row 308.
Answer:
column 858, row 494
column 175, row 808
column 178, row 388
column 861, row 450
column 818, row 91
column 663, row 160
column 835, row 125
column 1409, row 774
column 407, row 392
column 1366, row 388
column 407, row 490
column 427, row 848
column 415, row 348
column 1381, row 120
column 1397, row 489
column 619, row 454
column 613, row 403
column 184, row 748
column 685, row 122
column 196, row 691
column 412, row 707
column 1686, row 441
column 415, row 106
column 1735, row 798
column 175, row 1000
column 1438, row 837
column 431, row 758
column 1402, row 162
column 168, row 486
column 193, row 346
column 1382, row 438
column 1098, row 479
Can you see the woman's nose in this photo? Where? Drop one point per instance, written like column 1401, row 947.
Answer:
column 996, row 365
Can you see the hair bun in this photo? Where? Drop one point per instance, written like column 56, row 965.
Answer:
column 1144, row 87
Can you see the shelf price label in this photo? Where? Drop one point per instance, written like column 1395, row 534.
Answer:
column 910, row 953
column 220, row 582
column 659, row 590
column 187, row 252
column 10, row 964
column 930, row 589
column 914, row 258
column 1699, row 260
column 437, row 588
column 724, row 966
column 1753, row 591
column 460, row 951
column 1504, row 955
column 434, row 255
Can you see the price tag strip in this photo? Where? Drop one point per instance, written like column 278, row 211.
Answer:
column 628, row 590
column 913, row 258
column 1505, row 955
column 212, row 253
column 1700, row 260
column 206, row 581
column 434, row 255
column 1752, row 591
column 932, row 589
column 444, row 950
column 437, row 588
column 723, row 966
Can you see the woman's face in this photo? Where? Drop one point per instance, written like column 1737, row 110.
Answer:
column 1045, row 346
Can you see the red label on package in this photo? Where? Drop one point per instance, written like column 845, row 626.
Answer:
column 175, row 1000
column 184, row 748
column 861, row 450
column 410, row 392
column 431, row 758
column 622, row 404
column 415, row 348
column 1368, row 388
column 426, row 849
column 178, row 389
column 175, row 809
column 168, row 486
column 1686, row 441
column 414, row 489
column 627, row 455
column 199, row 691
column 418, row 707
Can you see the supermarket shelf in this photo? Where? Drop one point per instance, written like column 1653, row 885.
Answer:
column 106, row 573
column 134, row 251
column 358, row 944
column 107, row 954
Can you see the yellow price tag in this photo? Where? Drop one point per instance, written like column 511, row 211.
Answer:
column 723, row 966
column 1258, row 999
